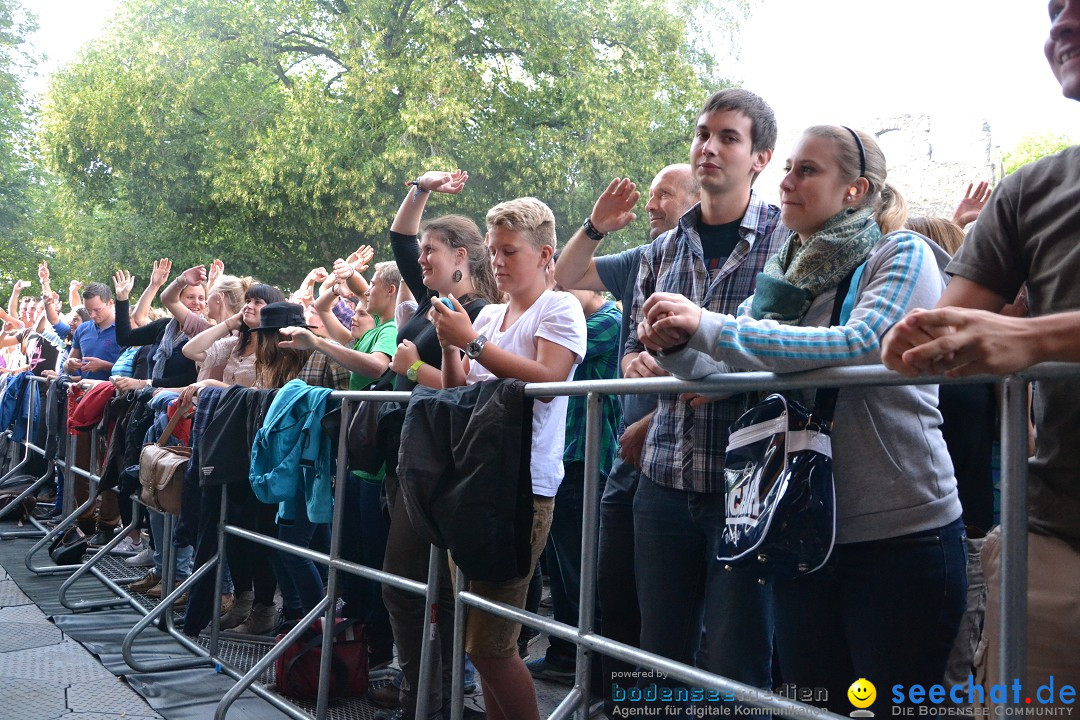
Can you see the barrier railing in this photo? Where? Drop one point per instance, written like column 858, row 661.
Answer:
column 1014, row 540
column 28, row 447
column 1012, row 660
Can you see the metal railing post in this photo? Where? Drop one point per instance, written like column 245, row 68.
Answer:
column 1012, row 627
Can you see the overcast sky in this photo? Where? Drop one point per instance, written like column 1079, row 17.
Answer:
column 838, row 61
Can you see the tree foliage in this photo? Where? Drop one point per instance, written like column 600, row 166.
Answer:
column 279, row 135
column 1031, row 148
column 21, row 187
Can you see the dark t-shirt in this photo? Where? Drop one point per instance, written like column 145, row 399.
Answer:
column 717, row 242
column 619, row 274
column 1029, row 232
column 419, row 329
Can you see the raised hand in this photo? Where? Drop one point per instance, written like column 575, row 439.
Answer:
column 160, row 273
column 450, row 183
column 216, row 269
column 194, row 275
column 124, row 282
column 43, row 274
column 614, row 208
column 972, row 203
column 361, row 258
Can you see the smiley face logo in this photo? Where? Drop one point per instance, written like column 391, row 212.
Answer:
column 862, row 693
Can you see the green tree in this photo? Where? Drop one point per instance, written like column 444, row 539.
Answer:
column 23, row 191
column 279, row 135
column 1032, row 147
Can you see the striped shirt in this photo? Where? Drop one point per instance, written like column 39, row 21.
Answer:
column 601, row 363
column 685, row 446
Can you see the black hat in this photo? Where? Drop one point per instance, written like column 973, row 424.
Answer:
column 280, row 315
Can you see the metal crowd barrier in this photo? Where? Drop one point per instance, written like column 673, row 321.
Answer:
column 1014, row 541
column 1013, row 622
column 28, row 447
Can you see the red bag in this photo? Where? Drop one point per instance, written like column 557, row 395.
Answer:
column 297, row 668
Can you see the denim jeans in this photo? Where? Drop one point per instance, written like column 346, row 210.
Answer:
column 183, row 555
column 363, row 541
column 682, row 589
column 299, row 578
column 886, row 609
column 615, row 585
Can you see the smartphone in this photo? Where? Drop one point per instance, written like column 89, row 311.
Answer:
column 447, row 302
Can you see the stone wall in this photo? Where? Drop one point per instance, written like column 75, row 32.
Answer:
column 930, row 163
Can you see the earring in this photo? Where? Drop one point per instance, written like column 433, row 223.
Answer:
column 456, row 277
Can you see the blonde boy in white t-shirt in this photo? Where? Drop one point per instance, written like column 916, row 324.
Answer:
column 537, row 336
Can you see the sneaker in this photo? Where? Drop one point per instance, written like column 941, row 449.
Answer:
column 541, row 669
column 129, row 547
column 144, row 558
column 150, row 580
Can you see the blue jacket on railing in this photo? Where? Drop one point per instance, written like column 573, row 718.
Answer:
column 15, row 406
column 290, row 448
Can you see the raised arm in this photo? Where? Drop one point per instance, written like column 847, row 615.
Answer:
column 407, row 220
column 576, row 269
column 170, row 296
column 13, row 301
column 158, row 277
column 74, row 298
column 349, row 270
column 324, row 305
column 974, row 200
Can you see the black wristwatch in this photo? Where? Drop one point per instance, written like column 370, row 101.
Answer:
column 474, row 347
column 591, row 230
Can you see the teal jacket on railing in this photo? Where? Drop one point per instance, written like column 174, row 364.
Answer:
column 292, row 452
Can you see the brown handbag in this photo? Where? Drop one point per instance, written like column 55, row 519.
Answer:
column 162, row 468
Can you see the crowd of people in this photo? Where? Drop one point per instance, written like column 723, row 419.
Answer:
column 726, row 282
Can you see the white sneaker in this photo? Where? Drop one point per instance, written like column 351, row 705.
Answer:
column 145, row 558
column 129, row 547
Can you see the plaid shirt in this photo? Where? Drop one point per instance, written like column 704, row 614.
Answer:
column 685, row 447
column 322, row 371
column 601, row 363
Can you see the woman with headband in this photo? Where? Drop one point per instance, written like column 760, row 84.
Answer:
column 889, row 601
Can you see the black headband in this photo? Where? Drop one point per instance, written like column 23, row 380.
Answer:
column 862, row 150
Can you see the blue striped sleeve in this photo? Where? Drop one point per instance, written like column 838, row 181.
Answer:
column 901, row 276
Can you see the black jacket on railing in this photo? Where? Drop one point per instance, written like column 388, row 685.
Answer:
column 464, row 474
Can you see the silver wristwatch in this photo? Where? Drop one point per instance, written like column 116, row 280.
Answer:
column 474, row 347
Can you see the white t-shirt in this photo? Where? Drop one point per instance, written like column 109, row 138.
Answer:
column 557, row 317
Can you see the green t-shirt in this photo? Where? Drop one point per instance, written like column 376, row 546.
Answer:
column 381, row 338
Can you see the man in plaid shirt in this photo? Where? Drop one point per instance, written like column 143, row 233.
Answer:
column 713, row 257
